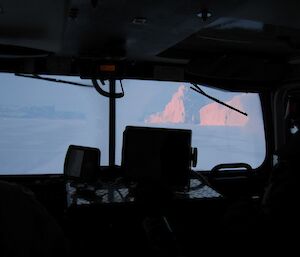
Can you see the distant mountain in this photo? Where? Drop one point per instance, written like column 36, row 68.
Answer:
column 186, row 106
column 215, row 114
column 174, row 111
column 183, row 107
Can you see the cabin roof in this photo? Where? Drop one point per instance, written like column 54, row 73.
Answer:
column 235, row 40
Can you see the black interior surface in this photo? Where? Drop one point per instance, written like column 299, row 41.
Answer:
column 240, row 45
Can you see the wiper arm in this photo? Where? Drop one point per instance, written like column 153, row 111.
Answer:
column 197, row 89
column 94, row 81
column 52, row 80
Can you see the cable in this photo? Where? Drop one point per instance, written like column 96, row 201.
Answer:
column 107, row 94
column 120, row 194
column 201, row 178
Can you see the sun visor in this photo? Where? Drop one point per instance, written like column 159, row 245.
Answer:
column 237, row 71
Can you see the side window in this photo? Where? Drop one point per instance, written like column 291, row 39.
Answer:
column 292, row 114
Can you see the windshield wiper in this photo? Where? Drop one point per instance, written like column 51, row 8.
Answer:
column 53, row 80
column 197, row 89
column 94, row 85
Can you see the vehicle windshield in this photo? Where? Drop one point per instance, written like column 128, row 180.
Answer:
column 40, row 119
column 222, row 135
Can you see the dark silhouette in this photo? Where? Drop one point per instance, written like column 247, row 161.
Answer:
column 274, row 221
column 27, row 229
